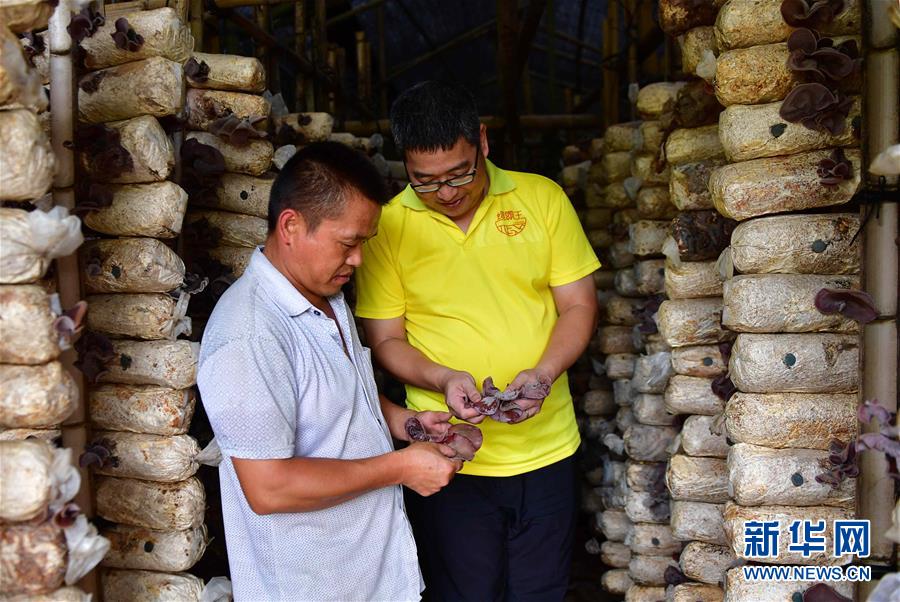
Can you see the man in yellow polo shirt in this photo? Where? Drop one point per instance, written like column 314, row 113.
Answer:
column 479, row 272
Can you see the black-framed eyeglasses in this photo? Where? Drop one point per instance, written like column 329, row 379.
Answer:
column 454, row 182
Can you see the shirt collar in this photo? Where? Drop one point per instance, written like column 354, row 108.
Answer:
column 278, row 287
column 501, row 183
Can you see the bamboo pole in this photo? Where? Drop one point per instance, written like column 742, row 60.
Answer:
column 319, row 48
column 340, row 67
column 62, row 116
column 367, row 61
column 507, row 30
column 261, row 15
column 382, row 62
column 527, row 92
column 614, row 46
column 552, row 95
column 327, row 80
column 880, row 353
column 646, row 25
column 607, row 75
column 303, row 89
column 361, row 67
column 196, row 20
column 631, row 39
column 331, row 60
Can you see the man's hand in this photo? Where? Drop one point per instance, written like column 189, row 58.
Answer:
column 427, row 467
column 459, row 389
column 530, row 379
column 436, row 423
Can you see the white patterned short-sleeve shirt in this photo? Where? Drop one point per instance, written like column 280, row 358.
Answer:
column 276, row 383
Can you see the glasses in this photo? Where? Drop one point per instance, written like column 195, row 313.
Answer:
column 455, row 182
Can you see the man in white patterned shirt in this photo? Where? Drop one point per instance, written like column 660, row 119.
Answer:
column 310, row 481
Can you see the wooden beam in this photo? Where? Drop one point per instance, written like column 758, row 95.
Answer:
column 527, row 122
column 239, row 3
column 469, row 35
column 354, row 11
column 566, row 55
column 530, row 25
column 572, row 40
column 423, row 31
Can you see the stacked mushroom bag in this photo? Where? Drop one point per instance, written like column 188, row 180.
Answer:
column 689, row 322
column 142, row 400
column 603, row 469
column 645, row 428
column 226, row 159
column 592, row 390
column 790, row 119
column 612, row 358
column 47, row 544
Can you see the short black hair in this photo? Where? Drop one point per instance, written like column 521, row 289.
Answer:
column 314, row 182
column 434, row 115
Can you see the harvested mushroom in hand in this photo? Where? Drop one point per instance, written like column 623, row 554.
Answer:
column 506, row 406
column 464, row 439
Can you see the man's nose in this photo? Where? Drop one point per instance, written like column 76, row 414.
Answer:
column 446, row 193
column 354, row 259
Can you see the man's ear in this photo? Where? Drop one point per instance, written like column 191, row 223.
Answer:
column 482, row 134
column 290, row 224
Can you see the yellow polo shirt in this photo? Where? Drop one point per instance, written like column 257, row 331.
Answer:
column 480, row 301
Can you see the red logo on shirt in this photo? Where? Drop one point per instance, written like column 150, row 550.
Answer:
column 510, row 223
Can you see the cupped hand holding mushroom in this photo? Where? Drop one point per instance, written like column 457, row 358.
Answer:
column 462, row 396
column 456, row 441
column 531, row 388
column 521, row 400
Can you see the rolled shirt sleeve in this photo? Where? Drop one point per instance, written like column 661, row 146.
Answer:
column 249, row 398
column 571, row 255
